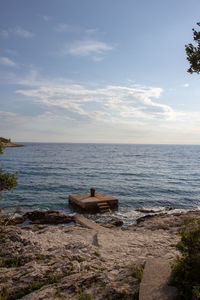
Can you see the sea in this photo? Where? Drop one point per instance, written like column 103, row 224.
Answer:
column 145, row 178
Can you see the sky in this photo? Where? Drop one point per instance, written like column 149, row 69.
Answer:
column 91, row 71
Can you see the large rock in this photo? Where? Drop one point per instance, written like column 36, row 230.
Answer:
column 42, row 217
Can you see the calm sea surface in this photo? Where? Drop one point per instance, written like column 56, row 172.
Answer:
column 148, row 176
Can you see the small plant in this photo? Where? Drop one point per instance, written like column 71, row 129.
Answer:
column 84, row 296
column 3, row 237
column 80, row 259
column 15, row 262
column 96, row 253
column 186, row 270
column 4, row 293
column 33, row 286
column 58, row 292
column 137, row 271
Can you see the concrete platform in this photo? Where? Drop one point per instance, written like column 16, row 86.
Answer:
column 93, row 202
column 154, row 285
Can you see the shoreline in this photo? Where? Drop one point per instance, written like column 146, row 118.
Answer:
column 134, row 216
column 58, row 258
column 11, row 145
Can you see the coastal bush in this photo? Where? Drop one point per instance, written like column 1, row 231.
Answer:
column 3, row 140
column 16, row 262
column 33, row 286
column 186, row 270
column 4, row 293
column 137, row 271
column 7, row 181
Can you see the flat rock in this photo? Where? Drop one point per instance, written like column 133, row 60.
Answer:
column 154, row 285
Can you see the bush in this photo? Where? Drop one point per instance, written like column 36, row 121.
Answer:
column 7, row 181
column 186, row 271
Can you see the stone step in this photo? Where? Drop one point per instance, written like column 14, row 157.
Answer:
column 104, row 206
column 104, row 210
column 154, row 285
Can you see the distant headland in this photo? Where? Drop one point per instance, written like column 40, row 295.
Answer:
column 8, row 143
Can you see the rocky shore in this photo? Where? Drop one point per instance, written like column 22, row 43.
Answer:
column 47, row 255
column 12, row 145
column 7, row 143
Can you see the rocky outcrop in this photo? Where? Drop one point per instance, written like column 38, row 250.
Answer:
column 8, row 143
column 12, row 145
column 42, row 217
column 45, row 261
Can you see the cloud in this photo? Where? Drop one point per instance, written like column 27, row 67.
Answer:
column 117, row 113
column 112, row 104
column 186, row 85
column 4, row 33
column 117, row 104
column 19, row 31
column 86, row 44
column 11, row 51
column 5, row 114
column 86, row 48
column 46, row 18
column 62, row 27
column 7, row 61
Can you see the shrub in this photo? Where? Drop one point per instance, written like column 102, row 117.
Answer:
column 7, row 181
column 186, row 270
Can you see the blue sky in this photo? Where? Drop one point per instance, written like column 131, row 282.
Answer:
column 108, row 71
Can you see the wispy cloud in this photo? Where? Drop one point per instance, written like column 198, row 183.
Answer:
column 93, row 48
column 4, row 33
column 117, row 104
column 19, row 31
column 46, row 18
column 186, row 85
column 11, row 51
column 7, row 61
column 123, row 112
column 85, row 42
column 62, row 27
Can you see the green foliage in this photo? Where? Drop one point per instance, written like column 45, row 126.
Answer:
column 33, row 286
column 96, row 253
column 193, row 53
column 7, row 181
column 3, row 140
column 4, row 293
column 84, row 296
column 3, row 237
column 137, row 271
column 15, row 262
column 186, row 271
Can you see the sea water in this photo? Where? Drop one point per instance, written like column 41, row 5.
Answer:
column 140, row 176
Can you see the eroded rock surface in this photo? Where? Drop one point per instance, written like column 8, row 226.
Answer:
column 72, row 262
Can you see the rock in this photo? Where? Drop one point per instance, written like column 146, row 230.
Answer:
column 73, row 262
column 117, row 222
column 42, row 217
column 149, row 210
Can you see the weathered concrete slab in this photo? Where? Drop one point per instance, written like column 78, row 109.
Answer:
column 154, row 283
column 98, row 202
column 85, row 222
